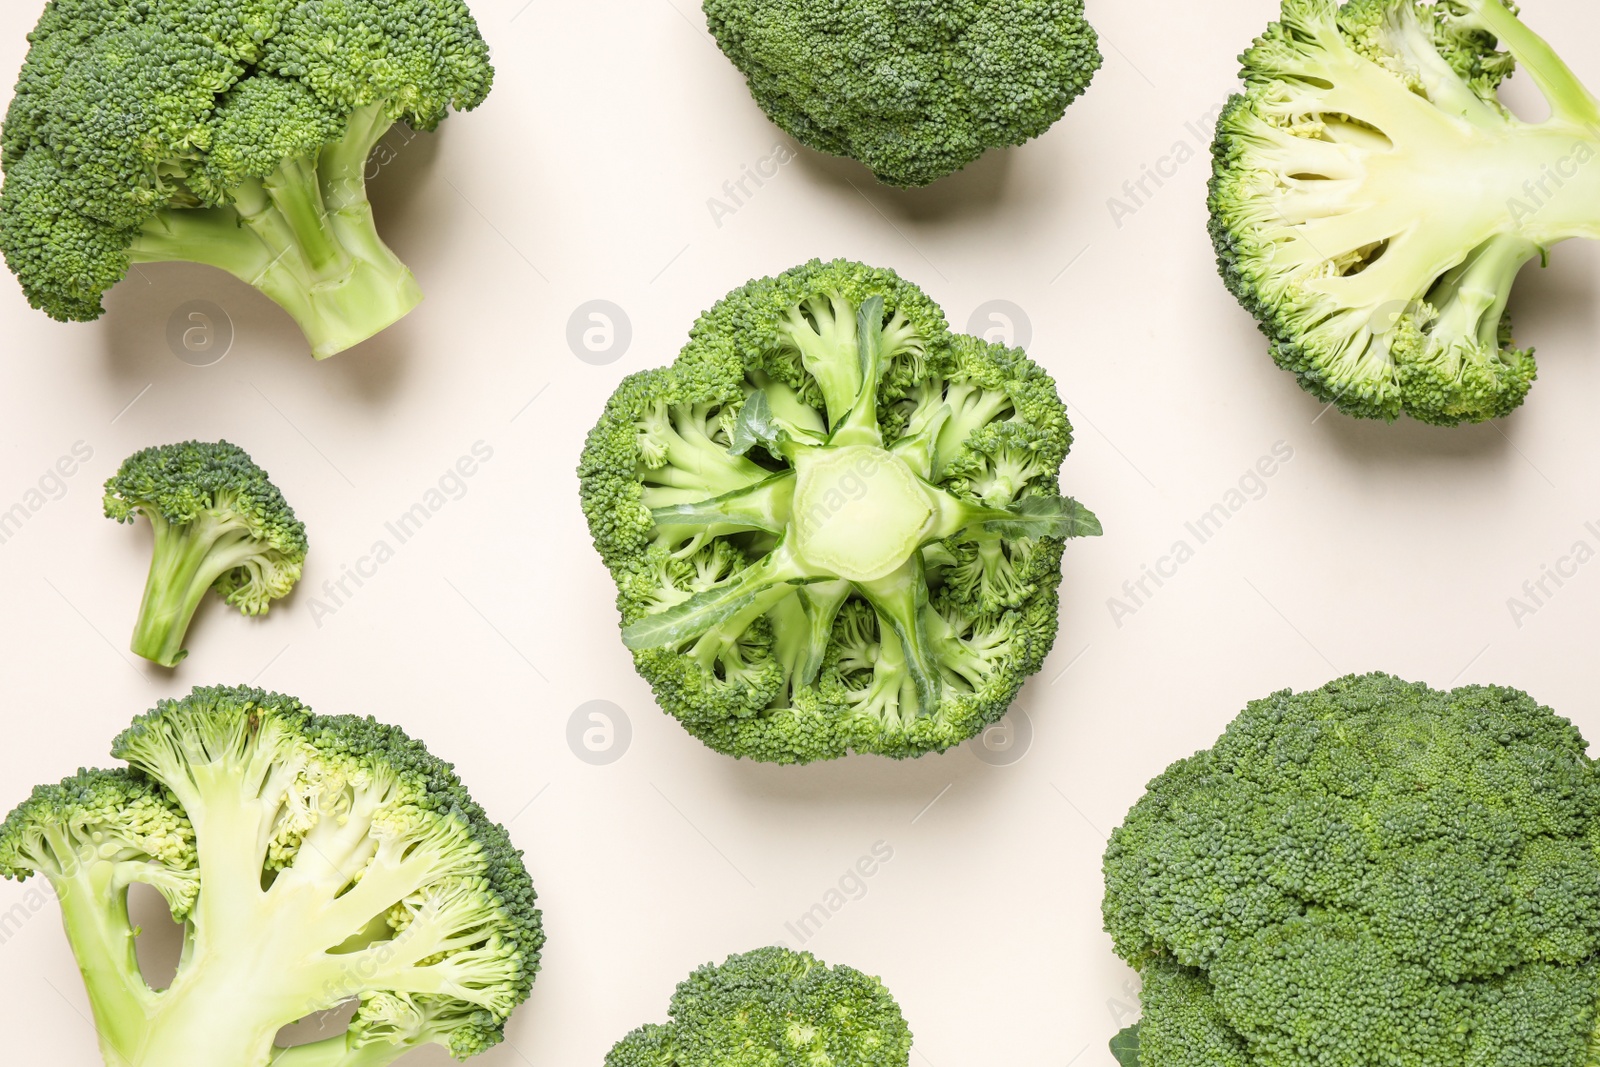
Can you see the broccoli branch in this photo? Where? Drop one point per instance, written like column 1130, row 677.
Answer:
column 305, row 236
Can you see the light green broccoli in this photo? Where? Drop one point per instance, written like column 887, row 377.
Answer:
column 233, row 133
column 773, row 1008
column 312, row 860
column 913, row 90
column 219, row 523
column 1372, row 872
column 833, row 525
column 1373, row 201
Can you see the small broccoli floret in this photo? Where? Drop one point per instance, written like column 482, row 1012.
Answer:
column 914, row 91
column 233, row 133
column 1374, row 868
column 312, row 860
column 1373, row 201
column 773, row 1008
column 833, row 526
column 219, row 523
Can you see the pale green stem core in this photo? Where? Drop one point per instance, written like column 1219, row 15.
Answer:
column 304, row 236
column 185, row 562
column 336, row 1052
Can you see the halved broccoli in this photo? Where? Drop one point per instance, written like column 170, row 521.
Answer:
column 1371, row 872
column 773, row 1008
column 312, row 860
column 833, row 525
column 219, row 523
column 233, row 133
column 913, row 90
column 1373, row 201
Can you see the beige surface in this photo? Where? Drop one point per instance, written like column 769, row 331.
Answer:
column 586, row 177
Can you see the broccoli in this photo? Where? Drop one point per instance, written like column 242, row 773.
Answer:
column 1372, row 872
column 914, row 91
column 833, row 525
column 218, row 523
column 1373, row 201
column 312, row 860
column 773, row 1008
column 233, row 133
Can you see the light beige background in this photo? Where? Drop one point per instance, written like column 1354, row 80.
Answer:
column 587, row 176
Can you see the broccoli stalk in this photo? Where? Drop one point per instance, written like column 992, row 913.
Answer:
column 1373, row 200
column 822, row 442
column 219, row 523
column 305, row 236
column 312, row 860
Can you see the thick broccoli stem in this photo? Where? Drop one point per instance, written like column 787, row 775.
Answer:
column 187, row 560
column 900, row 601
column 305, row 236
column 94, row 910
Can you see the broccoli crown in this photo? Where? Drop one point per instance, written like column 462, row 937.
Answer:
column 195, row 481
column 314, row 860
column 1374, row 870
column 773, row 1008
column 833, row 525
column 127, row 111
column 914, row 91
column 1372, row 201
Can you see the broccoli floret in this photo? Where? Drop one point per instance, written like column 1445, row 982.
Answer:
column 233, row 133
column 1374, row 871
column 219, row 523
column 1373, row 201
column 833, row 526
column 312, row 859
column 914, row 91
column 773, row 1008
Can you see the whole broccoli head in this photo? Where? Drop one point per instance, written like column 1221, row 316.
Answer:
column 833, row 525
column 1371, row 872
column 773, row 1008
column 1373, row 201
column 913, row 90
column 233, row 133
column 312, row 860
column 219, row 523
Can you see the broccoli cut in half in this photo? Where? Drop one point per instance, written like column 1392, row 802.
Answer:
column 312, row 860
column 914, row 91
column 219, row 523
column 1371, row 872
column 1373, row 201
column 233, row 133
column 773, row 1008
column 833, row 525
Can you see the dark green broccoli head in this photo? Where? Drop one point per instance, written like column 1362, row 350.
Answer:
column 833, row 526
column 914, row 91
column 773, row 1008
column 219, row 523
column 1373, row 201
column 149, row 130
column 1374, row 865
column 313, row 860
